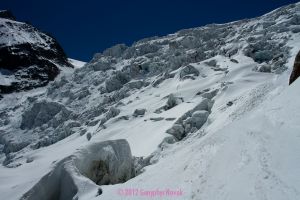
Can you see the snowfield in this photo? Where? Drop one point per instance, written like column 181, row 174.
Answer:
column 255, row 157
column 207, row 114
column 76, row 63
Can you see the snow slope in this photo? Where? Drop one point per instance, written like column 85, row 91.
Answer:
column 256, row 157
column 248, row 147
column 76, row 63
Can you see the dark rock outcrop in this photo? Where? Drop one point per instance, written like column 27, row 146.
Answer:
column 29, row 58
column 7, row 15
column 139, row 112
column 296, row 69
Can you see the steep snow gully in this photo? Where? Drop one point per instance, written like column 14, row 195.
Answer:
column 204, row 113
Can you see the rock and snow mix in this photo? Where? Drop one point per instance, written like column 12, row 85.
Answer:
column 29, row 58
column 204, row 110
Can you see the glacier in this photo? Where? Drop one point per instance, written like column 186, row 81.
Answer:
column 205, row 112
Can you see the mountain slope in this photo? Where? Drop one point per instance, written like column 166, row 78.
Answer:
column 252, row 158
column 28, row 57
column 206, row 108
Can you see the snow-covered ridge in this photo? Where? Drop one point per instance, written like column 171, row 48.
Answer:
column 29, row 58
column 204, row 107
column 10, row 28
column 76, row 63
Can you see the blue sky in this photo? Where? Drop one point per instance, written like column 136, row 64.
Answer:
column 89, row 26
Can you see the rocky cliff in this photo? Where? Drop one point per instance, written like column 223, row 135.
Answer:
column 29, row 58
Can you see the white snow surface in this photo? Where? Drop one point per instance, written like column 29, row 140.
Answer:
column 249, row 150
column 76, row 63
column 19, row 33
